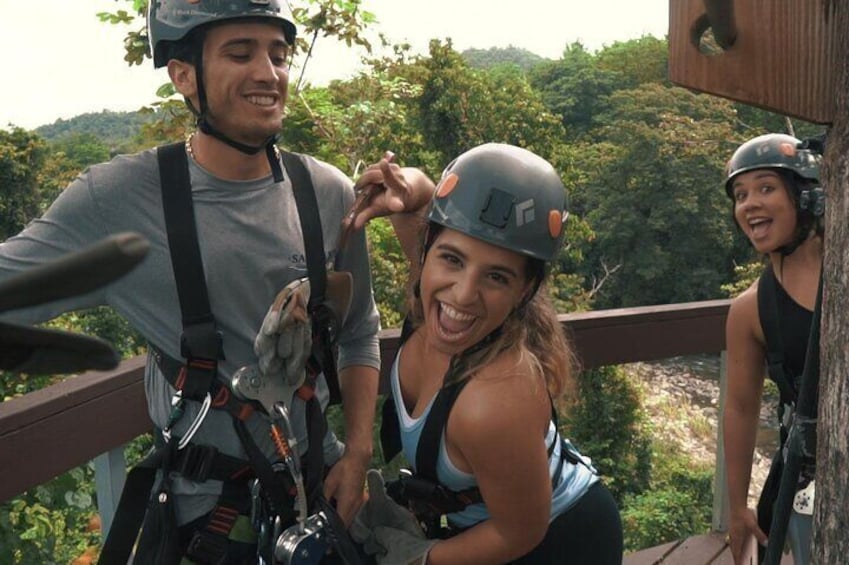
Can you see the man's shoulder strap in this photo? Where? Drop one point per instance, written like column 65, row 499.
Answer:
column 308, row 213
column 200, row 341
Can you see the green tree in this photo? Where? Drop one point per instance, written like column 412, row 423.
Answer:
column 574, row 88
column 636, row 61
column 653, row 197
column 511, row 56
column 460, row 107
column 608, row 424
column 22, row 154
column 352, row 123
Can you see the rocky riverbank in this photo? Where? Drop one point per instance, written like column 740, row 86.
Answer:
column 682, row 399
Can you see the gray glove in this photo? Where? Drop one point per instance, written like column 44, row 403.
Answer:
column 401, row 547
column 386, row 529
column 284, row 340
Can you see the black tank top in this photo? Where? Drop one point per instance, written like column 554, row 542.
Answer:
column 795, row 324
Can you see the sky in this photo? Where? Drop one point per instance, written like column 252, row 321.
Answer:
column 59, row 60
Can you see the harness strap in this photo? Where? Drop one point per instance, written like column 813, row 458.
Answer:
column 201, row 342
column 776, row 366
column 390, row 429
column 195, row 462
column 178, row 377
column 130, row 512
column 275, row 490
column 427, row 451
column 308, row 214
column 210, row 543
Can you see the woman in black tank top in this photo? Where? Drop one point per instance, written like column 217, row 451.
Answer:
column 773, row 182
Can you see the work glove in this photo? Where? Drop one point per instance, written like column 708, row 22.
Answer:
column 284, row 341
column 382, row 514
column 399, row 547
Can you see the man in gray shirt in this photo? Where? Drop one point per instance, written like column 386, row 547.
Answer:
column 230, row 62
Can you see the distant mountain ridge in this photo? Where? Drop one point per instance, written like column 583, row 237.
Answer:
column 112, row 128
column 116, row 129
column 495, row 56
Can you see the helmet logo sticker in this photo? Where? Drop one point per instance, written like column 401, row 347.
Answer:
column 525, row 212
column 555, row 223
column 446, row 185
column 498, row 207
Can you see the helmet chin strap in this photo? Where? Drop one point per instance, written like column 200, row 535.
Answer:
column 802, row 235
column 206, row 127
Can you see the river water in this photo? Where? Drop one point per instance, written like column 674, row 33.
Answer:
column 700, row 373
column 694, row 381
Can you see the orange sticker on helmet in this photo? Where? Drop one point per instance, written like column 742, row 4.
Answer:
column 446, row 185
column 787, row 149
column 555, row 223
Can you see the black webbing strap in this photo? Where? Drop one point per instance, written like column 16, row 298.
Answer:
column 307, row 204
column 427, row 451
column 200, row 342
column 131, row 510
column 768, row 313
column 195, row 462
column 308, row 214
column 275, row 490
column 314, row 457
column 390, row 430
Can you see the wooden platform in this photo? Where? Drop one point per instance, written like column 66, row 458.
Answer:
column 709, row 549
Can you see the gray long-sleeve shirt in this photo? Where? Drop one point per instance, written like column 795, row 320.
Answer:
column 251, row 243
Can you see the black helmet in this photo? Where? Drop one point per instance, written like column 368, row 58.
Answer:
column 169, row 21
column 772, row 151
column 506, row 196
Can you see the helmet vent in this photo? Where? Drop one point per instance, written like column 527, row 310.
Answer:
column 498, row 207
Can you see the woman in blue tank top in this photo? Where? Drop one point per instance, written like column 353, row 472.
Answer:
column 482, row 361
column 773, row 181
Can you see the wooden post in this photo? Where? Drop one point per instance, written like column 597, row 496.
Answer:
column 782, row 57
column 110, row 472
column 719, row 522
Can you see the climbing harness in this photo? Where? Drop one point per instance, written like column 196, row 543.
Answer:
column 262, row 503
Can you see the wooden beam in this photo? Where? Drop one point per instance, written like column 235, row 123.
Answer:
column 783, row 57
column 47, row 432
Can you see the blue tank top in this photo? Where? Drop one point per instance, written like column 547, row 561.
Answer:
column 573, row 482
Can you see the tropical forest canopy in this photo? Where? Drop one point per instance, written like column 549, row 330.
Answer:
column 642, row 160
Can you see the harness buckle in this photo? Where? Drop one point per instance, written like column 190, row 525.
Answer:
column 207, row 547
column 202, row 341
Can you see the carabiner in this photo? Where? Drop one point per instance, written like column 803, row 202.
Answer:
column 178, row 402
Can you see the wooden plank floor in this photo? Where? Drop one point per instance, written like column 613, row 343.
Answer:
column 708, row 549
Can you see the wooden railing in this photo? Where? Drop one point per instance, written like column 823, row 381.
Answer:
column 91, row 416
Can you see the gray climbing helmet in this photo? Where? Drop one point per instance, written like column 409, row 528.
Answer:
column 169, row 21
column 772, row 151
column 506, row 196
